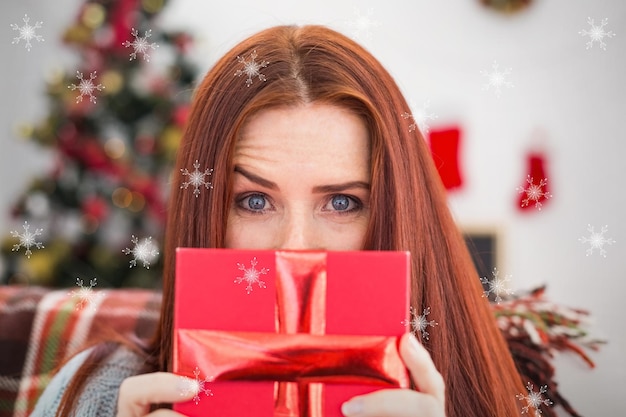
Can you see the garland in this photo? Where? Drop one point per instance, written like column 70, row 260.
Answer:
column 536, row 330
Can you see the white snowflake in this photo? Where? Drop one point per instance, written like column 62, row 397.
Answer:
column 86, row 295
column 197, row 178
column 144, row 251
column 251, row 275
column 140, row 44
column 534, row 399
column 86, row 87
column 27, row 32
column 597, row 240
column 597, row 33
column 27, row 239
column 196, row 385
column 363, row 24
column 420, row 118
column 497, row 79
column 419, row 323
column 496, row 285
column 534, row 192
column 251, row 68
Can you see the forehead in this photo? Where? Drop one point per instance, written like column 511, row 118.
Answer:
column 306, row 126
column 304, row 133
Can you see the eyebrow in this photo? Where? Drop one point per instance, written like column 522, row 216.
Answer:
column 329, row 188
column 336, row 188
column 256, row 179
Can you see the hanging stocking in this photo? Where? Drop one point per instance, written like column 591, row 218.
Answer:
column 444, row 147
column 534, row 192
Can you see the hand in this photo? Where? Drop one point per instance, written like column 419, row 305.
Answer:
column 138, row 392
column 427, row 401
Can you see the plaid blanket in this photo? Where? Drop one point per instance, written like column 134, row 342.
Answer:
column 41, row 328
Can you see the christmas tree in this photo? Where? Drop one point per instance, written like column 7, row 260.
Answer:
column 113, row 127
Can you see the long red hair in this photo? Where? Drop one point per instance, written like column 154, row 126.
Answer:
column 408, row 202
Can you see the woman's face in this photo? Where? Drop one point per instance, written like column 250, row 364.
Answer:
column 301, row 180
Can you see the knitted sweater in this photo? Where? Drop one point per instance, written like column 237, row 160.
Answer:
column 99, row 396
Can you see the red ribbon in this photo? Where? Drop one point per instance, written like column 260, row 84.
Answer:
column 300, row 357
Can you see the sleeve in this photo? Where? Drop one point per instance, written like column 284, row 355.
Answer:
column 49, row 401
column 99, row 395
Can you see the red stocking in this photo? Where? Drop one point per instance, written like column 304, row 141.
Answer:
column 534, row 191
column 444, row 147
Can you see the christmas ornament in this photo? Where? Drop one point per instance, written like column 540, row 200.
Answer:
column 507, row 6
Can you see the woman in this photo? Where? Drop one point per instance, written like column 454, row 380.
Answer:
column 303, row 130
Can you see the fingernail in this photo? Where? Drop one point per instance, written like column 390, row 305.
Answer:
column 415, row 344
column 353, row 407
column 187, row 386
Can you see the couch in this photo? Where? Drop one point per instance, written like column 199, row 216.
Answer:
column 40, row 328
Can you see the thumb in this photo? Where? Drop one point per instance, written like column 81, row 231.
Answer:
column 139, row 392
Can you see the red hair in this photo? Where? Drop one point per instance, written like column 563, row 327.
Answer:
column 408, row 207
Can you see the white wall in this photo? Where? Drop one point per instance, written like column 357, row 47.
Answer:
column 436, row 50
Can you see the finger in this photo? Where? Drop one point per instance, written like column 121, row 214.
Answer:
column 162, row 412
column 138, row 392
column 421, row 367
column 392, row 402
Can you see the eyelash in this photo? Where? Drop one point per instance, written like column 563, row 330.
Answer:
column 240, row 200
column 358, row 204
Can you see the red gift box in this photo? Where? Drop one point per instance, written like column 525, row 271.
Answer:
column 287, row 333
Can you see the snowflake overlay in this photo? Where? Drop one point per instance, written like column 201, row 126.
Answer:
column 196, row 178
column 362, row 25
column 534, row 399
column 140, row 45
column 420, row 118
column 496, row 286
column 86, row 87
column 597, row 240
column 27, row 240
column 497, row 79
column 86, row 295
column 144, row 251
column 251, row 68
column 27, row 32
column 251, row 275
column 597, row 33
column 419, row 323
column 198, row 386
column 534, row 192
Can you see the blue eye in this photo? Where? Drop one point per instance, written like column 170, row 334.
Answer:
column 256, row 202
column 340, row 202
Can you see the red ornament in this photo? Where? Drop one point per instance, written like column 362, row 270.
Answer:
column 95, row 207
column 444, row 147
column 145, row 144
column 183, row 42
column 123, row 19
column 181, row 113
column 534, row 191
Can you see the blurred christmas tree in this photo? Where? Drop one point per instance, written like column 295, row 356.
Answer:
column 113, row 128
